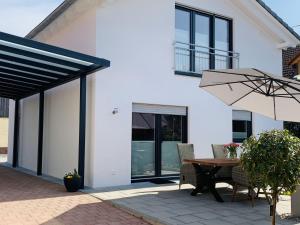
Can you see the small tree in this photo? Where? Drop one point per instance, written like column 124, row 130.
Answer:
column 272, row 160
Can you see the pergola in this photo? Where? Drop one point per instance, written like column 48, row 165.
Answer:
column 29, row 67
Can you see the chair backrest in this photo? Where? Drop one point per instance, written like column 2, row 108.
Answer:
column 218, row 151
column 185, row 151
column 239, row 176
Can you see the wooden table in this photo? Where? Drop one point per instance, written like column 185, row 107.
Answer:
column 206, row 170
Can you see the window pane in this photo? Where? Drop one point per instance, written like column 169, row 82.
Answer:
column 171, row 127
column 202, row 30
column 142, row 146
column 201, row 43
column 182, row 32
column 221, row 43
column 241, row 125
column 241, row 115
column 182, row 21
column 171, row 135
column 239, row 130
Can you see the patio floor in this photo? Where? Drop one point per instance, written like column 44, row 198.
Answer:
column 28, row 200
column 167, row 205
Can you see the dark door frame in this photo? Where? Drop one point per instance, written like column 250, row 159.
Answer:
column 157, row 150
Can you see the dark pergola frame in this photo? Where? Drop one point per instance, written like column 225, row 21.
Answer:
column 29, row 67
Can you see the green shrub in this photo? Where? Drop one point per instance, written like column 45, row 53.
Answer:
column 273, row 160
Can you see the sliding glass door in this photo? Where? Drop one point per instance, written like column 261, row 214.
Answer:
column 154, row 140
column 143, row 145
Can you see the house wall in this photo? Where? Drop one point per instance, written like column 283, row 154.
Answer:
column 3, row 133
column 142, row 71
column 138, row 37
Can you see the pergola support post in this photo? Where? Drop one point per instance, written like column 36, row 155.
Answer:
column 16, row 134
column 40, row 135
column 82, row 124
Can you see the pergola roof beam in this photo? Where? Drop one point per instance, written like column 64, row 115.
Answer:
column 42, row 58
column 50, row 48
column 29, row 67
column 18, row 82
column 30, row 70
column 27, row 75
column 10, row 91
column 27, row 63
column 23, row 79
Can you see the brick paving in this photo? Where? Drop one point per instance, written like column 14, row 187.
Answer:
column 28, row 200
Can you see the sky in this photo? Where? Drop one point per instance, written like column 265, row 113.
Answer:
column 288, row 10
column 21, row 16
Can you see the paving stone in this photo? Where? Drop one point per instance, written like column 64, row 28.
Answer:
column 170, row 221
column 237, row 220
column 207, row 215
column 187, row 218
column 166, row 202
column 163, row 214
column 29, row 200
column 181, row 212
column 196, row 223
column 219, row 221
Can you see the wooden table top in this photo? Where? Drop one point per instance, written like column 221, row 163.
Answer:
column 214, row 162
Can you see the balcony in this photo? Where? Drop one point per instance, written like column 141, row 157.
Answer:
column 192, row 59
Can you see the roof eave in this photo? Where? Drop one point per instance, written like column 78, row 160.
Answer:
column 279, row 19
column 67, row 3
column 50, row 18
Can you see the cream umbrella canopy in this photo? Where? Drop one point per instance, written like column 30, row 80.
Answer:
column 257, row 91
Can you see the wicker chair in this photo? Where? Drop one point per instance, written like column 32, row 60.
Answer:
column 188, row 173
column 224, row 173
column 240, row 178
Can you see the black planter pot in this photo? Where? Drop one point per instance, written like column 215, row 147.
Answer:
column 73, row 184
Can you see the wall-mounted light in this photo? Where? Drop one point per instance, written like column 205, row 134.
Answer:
column 115, row 111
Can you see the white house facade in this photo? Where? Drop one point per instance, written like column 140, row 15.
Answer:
column 149, row 99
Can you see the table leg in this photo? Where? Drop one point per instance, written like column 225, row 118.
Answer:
column 206, row 179
column 202, row 183
column 212, row 189
column 212, row 183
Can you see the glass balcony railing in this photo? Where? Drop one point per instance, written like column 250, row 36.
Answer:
column 193, row 59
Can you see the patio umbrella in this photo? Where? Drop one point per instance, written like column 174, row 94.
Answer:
column 257, row 91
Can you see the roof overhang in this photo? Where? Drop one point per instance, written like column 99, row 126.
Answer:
column 285, row 28
column 29, row 67
column 295, row 60
column 50, row 18
column 278, row 18
column 269, row 23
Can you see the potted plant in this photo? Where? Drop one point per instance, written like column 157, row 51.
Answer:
column 295, row 199
column 72, row 181
column 272, row 161
column 231, row 150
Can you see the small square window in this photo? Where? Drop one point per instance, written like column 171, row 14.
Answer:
column 241, row 125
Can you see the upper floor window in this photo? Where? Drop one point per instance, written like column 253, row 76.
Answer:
column 203, row 41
